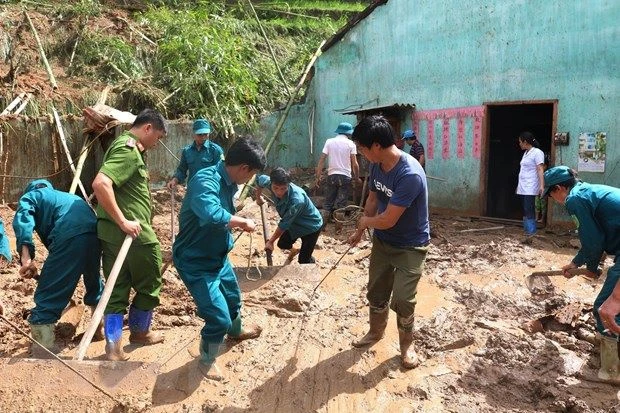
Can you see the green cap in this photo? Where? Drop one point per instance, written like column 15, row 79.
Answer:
column 556, row 175
column 202, row 127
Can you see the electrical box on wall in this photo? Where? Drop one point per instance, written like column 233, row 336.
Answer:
column 560, row 138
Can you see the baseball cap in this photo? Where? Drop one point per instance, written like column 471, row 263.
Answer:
column 556, row 175
column 202, row 127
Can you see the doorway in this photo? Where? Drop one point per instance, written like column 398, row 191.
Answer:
column 505, row 123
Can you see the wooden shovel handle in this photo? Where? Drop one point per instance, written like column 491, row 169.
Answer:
column 574, row 271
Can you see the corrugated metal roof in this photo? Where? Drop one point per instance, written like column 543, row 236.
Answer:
column 394, row 106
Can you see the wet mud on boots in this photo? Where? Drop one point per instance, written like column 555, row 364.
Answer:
column 140, row 327
column 610, row 364
column 240, row 332
column 377, row 318
column 206, row 361
column 44, row 334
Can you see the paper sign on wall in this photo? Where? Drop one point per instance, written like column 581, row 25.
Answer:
column 592, row 152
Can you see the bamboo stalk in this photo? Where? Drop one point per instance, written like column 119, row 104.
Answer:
column 77, row 39
column 133, row 29
column 23, row 105
column 66, row 148
column 273, row 55
column 48, row 68
column 225, row 123
column 80, row 166
column 280, row 123
column 12, row 105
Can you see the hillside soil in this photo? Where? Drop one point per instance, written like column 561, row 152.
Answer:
column 487, row 343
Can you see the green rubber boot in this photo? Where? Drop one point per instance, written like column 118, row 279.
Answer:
column 240, row 332
column 44, row 334
column 610, row 364
column 206, row 362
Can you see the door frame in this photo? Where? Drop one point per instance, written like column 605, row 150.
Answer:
column 484, row 159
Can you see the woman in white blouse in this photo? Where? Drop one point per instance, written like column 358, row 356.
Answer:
column 531, row 179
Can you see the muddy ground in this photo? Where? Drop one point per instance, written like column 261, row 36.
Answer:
column 475, row 328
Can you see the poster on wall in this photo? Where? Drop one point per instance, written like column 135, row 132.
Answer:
column 592, row 150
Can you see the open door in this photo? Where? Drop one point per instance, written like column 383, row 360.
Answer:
column 505, row 123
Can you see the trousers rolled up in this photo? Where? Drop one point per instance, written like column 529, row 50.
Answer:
column 613, row 275
column 394, row 272
column 61, row 273
column 218, row 301
column 141, row 272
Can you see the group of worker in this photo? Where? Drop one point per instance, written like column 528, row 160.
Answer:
column 396, row 210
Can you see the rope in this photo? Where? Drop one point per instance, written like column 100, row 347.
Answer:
column 303, row 317
column 353, row 212
column 61, row 360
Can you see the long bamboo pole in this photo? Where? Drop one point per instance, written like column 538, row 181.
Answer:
column 280, row 123
column 66, row 148
column 48, row 68
column 273, row 55
column 105, row 297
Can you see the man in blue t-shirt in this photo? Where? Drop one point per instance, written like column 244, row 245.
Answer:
column 397, row 210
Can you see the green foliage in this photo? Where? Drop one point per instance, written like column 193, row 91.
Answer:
column 211, row 59
column 78, row 8
column 99, row 54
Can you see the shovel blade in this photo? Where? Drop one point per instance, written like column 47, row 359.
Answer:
column 539, row 285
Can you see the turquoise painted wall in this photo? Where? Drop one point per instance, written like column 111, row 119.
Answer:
column 446, row 54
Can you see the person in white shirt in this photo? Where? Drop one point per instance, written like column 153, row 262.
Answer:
column 342, row 168
column 531, row 180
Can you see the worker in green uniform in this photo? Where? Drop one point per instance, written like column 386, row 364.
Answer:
column 596, row 210
column 200, row 251
column 125, row 207
column 68, row 228
column 299, row 217
column 202, row 153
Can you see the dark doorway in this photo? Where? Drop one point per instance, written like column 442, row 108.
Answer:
column 506, row 122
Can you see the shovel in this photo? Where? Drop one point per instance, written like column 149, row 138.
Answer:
column 539, row 282
column 266, row 233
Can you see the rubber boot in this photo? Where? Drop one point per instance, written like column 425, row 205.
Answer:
column 206, row 363
column 239, row 332
column 610, row 365
column 377, row 319
column 113, row 329
column 408, row 357
column 44, row 334
column 140, row 327
column 99, row 335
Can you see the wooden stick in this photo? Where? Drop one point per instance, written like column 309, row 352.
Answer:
column 573, row 271
column 280, row 123
column 273, row 55
column 435, row 178
column 66, row 148
column 482, row 229
column 105, row 297
column 80, row 166
column 266, row 233
column 42, row 52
